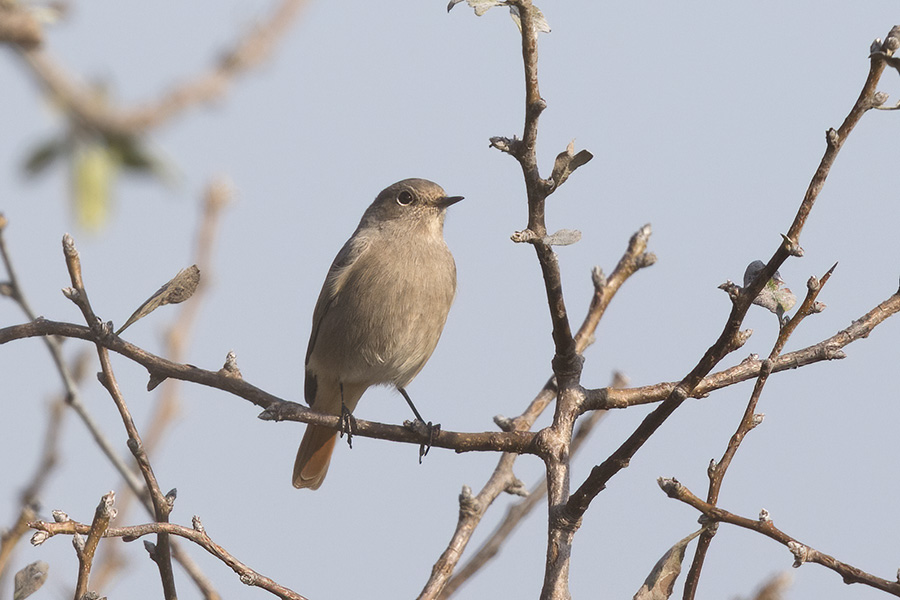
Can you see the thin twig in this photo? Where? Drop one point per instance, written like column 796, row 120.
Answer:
column 473, row 508
column 216, row 197
column 162, row 503
column 730, row 338
column 97, row 530
column 29, row 496
column 19, row 26
column 517, row 512
column 82, row 103
column 197, row 534
column 749, row 420
column 764, row 525
column 73, row 400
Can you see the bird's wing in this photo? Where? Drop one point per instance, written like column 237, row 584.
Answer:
column 334, row 283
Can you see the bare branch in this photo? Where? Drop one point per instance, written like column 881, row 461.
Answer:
column 748, row 422
column 162, row 503
column 197, row 534
column 18, row 26
column 601, row 474
column 802, row 552
column 102, row 516
column 82, row 103
column 827, row 349
column 634, row 258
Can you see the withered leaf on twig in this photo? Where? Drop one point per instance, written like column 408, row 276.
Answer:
column 566, row 162
column 179, row 289
column 661, row 580
column 30, row 579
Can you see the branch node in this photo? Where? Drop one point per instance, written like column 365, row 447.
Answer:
column 516, row 488
column 248, row 578
column 197, row 525
column 230, row 367
column 598, row 277
column 647, row 259
column 39, row 538
column 60, row 517
column 800, row 552
column 504, row 144
column 526, row 236
column 468, row 505
column 791, row 247
column 78, row 543
column 813, row 284
column 170, row 498
column 757, row 420
column 732, row 289
column 155, row 380
column 671, row 486
column 150, row 547
column 832, row 138
column 739, row 339
column 764, row 516
column 562, row 519
column 504, row 423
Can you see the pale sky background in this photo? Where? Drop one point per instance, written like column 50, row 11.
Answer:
column 706, row 120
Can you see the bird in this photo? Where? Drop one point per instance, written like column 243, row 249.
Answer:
column 380, row 313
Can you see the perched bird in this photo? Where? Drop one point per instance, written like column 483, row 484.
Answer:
column 380, row 313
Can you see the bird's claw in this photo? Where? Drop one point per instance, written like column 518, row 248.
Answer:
column 348, row 424
column 429, row 431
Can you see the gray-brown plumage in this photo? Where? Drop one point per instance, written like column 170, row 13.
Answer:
column 381, row 310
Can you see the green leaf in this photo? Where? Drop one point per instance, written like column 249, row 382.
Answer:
column 94, row 169
column 43, row 155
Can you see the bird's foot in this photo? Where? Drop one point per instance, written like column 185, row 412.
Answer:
column 348, row 424
column 429, row 431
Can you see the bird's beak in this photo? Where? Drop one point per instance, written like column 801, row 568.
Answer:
column 448, row 201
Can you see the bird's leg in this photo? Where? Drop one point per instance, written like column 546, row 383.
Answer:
column 348, row 421
column 431, row 429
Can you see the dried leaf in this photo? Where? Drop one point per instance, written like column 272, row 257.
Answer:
column 563, row 237
column 30, row 579
column 480, row 6
column 179, row 289
column 661, row 580
column 540, row 23
column 566, row 162
column 775, row 296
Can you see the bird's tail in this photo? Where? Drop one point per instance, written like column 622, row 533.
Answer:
column 313, row 457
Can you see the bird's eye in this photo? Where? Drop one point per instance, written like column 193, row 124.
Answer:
column 404, row 198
